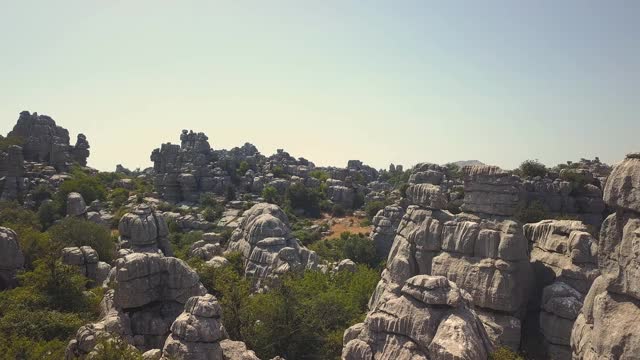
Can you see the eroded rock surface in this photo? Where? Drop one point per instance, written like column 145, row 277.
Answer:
column 11, row 258
column 143, row 230
column 429, row 318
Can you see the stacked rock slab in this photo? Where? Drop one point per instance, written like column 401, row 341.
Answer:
column 429, row 318
column 150, row 291
column 76, row 206
column 267, row 245
column 486, row 256
column 11, row 173
column 564, row 260
column 46, row 142
column 143, row 230
column 385, row 224
column 11, row 258
column 86, row 259
column 607, row 327
column 490, row 190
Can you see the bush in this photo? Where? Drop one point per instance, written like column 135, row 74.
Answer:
column 78, row 232
column 13, row 213
column 212, row 214
column 531, row 213
column 90, row 187
column 505, row 353
column 48, row 213
column 206, row 200
column 337, row 210
column 115, row 348
column 6, row 142
column 119, row 197
column 180, row 243
column 24, row 347
column 320, row 175
column 230, row 193
column 299, row 196
column 577, row 180
column 372, row 208
column 270, row 195
column 278, row 171
column 356, row 247
column 532, row 168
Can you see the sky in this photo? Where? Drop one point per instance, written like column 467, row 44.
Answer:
column 380, row 81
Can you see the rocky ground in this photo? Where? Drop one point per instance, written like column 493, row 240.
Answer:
column 231, row 254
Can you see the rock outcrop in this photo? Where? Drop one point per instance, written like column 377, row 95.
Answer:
column 12, row 181
column 484, row 255
column 385, row 224
column 150, row 291
column 86, row 260
column 46, row 142
column 11, row 258
column 267, row 245
column 429, row 318
column 491, row 191
column 143, row 230
column 76, row 206
column 564, row 260
column 606, row 328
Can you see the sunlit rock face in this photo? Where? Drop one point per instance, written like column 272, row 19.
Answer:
column 606, row 328
column 267, row 245
column 11, row 258
column 429, row 318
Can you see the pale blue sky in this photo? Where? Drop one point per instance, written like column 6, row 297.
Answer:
column 380, row 81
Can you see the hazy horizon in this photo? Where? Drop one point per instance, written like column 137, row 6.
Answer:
column 382, row 82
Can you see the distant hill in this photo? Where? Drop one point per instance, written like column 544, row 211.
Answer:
column 464, row 163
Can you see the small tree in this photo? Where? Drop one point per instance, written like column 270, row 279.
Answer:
column 532, row 168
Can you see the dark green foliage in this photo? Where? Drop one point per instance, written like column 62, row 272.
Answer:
column 243, row 168
column 26, row 348
column 395, row 178
column 41, row 193
column 13, row 213
column 34, row 244
column 89, row 186
column 454, row 172
column 79, row 232
column 505, row 353
column 532, row 168
column 270, row 195
column 320, row 175
column 47, row 214
column 531, row 213
column 307, row 237
column 206, row 200
column 338, row 211
column 577, row 180
column 299, row 196
column 403, row 189
column 6, row 142
column 278, row 171
column 356, row 247
column 115, row 348
column 119, row 197
column 181, row 242
column 358, row 200
column 372, row 208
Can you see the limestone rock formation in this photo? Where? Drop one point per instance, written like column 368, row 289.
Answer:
column 86, row 259
column 564, row 259
column 143, row 230
column 149, row 292
column 429, row 318
column 76, row 205
column 385, row 224
column 607, row 325
column 11, row 173
column 490, row 190
column 46, row 142
column 267, row 245
column 11, row 258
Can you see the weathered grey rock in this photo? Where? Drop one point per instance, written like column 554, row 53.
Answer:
column 11, row 173
column 44, row 141
column 430, row 318
column 145, row 231
column 11, row 258
column 341, row 195
column 490, row 190
column 267, row 245
column 487, row 258
column 86, row 259
column 236, row 350
column 204, row 251
column 75, row 205
column 144, row 278
column 606, row 326
column 385, row 224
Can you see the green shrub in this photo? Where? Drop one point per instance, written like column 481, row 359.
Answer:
column 114, row 348
column 278, row 171
column 119, row 197
column 505, row 353
column 372, row 208
column 337, row 210
column 181, row 242
column 307, row 237
column 532, row 212
column 79, row 232
column 48, row 213
column 270, row 195
column 356, row 247
column 13, row 213
column 6, row 142
column 320, row 175
column 577, row 180
column 532, row 168
column 26, row 347
column 230, row 193
column 299, row 196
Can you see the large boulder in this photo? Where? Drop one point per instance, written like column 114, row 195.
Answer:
column 86, row 260
column 490, row 190
column 267, row 245
column 385, row 224
column 11, row 258
column 430, row 318
column 76, row 206
column 143, row 230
